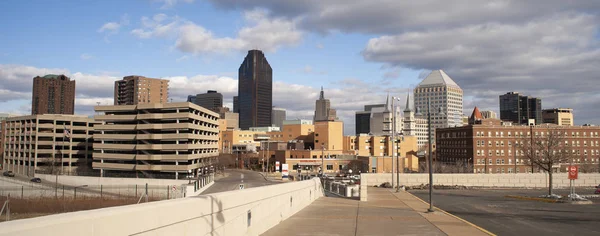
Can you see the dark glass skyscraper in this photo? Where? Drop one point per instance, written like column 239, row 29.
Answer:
column 519, row 109
column 255, row 91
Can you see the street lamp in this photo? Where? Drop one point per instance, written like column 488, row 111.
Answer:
column 430, row 148
column 394, row 148
column 189, row 176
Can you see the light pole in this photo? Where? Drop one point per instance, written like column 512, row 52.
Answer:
column 322, row 159
column 430, row 150
column 395, row 148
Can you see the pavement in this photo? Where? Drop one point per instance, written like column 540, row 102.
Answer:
column 233, row 178
column 500, row 215
column 385, row 213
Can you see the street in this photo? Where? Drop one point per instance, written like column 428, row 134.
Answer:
column 249, row 179
column 491, row 210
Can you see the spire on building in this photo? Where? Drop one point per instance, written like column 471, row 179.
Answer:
column 387, row 104
column 322, row 95
column 407, row 109
column 476, row 117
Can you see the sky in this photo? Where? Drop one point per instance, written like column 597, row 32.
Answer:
column 359, row 51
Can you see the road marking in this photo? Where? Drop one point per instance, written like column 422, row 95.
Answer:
column 458, row 218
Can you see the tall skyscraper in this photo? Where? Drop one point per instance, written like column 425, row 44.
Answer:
column 519, row 108
column 53, row 94
column 443, row 92
column 278, row 117
column 135, row 89
column 255, row 91
column 323, row 110
column 210, row 100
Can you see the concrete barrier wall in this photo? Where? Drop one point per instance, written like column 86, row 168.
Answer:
column 241, row 212
column 526, row 180
column 87, row 180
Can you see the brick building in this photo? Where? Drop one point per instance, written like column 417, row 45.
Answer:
column 488, row 145
column 53, row 94
column 134, row 90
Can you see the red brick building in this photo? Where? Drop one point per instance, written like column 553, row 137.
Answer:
column 53, row 94
column 488, row 145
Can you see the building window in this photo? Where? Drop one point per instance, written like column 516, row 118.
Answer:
column 329, row 167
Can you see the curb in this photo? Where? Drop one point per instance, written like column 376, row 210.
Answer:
column 533, row 199
column 456, row 217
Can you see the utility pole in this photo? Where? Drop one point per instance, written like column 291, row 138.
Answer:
column 515, row 155
column 322, row 159
column 430, row 156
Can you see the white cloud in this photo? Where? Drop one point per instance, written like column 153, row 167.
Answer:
column 111, row 27
column 267, row 34
column 86, row 56
column 320, row 46
column 171, row 3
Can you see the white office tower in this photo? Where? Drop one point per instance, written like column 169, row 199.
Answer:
column 443, row 92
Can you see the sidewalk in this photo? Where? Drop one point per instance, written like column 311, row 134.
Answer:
column 386, row 213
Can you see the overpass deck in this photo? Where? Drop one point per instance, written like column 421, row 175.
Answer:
column 385, row 213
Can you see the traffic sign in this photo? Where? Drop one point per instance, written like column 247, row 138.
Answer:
column 174, row 188
column 573, row 171
column 241, row 186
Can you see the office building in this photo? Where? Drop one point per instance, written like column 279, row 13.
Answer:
column 278, row 117
column 155, row 140
column 381, row 120
column 362, row 119
column 519, row 109
column 210, row 100
column 489, row 114
column 255, row 91
column 329, row 135
column 53, row 94
column 134, row 90
column 323, row 110
column 378, row 150
column 443, row 93
column 559, row 116
column 48, row 144
column 488, row 146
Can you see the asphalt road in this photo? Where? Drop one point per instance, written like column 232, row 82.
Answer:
column 249, row 179
column 491, row 210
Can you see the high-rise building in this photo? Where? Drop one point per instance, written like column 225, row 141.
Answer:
column 186, row 141
column 559, row 116
column 323, row 110
column 53, row 94
column 489, row 114
column 134, row 90
column 520, row 109
column 443, row 93
column 278, row 117
column 210, row 100
column 255, row 91
column 49, row 143
column 362, row 119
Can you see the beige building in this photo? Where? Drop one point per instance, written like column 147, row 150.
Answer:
column 47, row 144
column 379, row 151
column 489, row 115
column 166, row 139
column 559, row 116
column 135, row 89
column 329, row 135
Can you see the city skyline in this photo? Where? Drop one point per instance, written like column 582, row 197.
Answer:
column 306, row 56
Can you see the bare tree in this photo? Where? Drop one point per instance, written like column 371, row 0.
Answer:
column 546, row 150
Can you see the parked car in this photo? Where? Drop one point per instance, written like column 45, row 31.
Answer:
column 9, row 173
column 36, row 180
column 597, row 191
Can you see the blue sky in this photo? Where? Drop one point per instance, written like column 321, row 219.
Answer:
column 488, row 48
